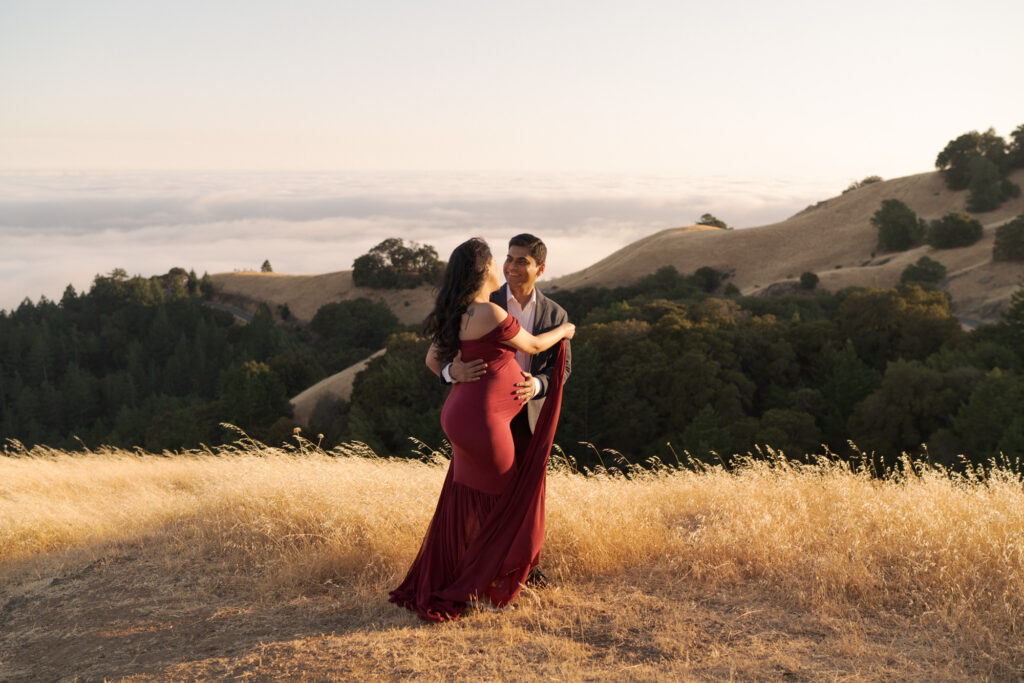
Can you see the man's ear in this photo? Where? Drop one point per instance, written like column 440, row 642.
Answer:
column 540, row 269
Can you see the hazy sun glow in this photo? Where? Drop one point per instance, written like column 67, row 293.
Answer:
column 741, row 88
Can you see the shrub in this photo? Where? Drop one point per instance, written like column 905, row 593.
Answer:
column 808, row 280
column 707, row 278
column 954, row 230
column 1009, row 244
column 898, row 227
column 856, row 185
column 731, row 290
column 926, row 270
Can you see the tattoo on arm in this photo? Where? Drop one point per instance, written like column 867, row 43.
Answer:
column 469, row 314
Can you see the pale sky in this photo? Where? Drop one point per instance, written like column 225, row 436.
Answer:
column 752, row 89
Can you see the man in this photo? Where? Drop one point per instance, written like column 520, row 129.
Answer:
column 527, row 256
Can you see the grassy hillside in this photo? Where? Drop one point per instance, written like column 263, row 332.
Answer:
column 305, row 294
column 834, row 239
column 256, row 562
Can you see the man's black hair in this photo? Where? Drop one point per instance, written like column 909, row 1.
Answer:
column 537, row 249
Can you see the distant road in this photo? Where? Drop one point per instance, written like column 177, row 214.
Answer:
column 237, row 312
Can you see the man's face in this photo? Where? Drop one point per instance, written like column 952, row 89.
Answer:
column 521, row 270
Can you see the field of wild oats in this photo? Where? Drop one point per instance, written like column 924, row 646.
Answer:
column 255, row 562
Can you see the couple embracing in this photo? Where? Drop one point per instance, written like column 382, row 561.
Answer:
column 502, row 349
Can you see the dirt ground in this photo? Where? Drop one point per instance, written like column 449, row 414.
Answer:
column 121, row 617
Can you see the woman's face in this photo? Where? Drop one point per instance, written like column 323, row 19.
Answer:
column 493, row 276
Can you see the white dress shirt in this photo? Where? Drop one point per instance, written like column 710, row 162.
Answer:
column 524, row 315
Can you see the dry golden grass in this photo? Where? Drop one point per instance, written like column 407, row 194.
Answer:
column 263, row 563
column 305, row 294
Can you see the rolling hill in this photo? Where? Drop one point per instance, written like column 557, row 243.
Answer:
column 305, row 294
column 834, row 239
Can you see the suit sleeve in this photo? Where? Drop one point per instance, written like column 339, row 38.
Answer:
column 544, row 375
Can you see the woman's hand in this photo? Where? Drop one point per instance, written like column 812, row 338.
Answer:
column 568, row 330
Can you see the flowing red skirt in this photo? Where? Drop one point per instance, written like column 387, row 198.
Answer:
column 483, row 545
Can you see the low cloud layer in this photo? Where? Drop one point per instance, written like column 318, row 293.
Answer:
column 58, row 229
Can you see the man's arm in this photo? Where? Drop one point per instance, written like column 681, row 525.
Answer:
column 547, row 369
column 544, row 376
column 459, row 371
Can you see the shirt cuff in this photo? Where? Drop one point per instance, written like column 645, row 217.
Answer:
column 446, row 374
column 536, row 387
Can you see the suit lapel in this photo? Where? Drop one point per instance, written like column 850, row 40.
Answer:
column 500, row 297
column 542, row 316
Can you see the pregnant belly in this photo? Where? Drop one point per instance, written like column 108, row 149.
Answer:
column 476, row 419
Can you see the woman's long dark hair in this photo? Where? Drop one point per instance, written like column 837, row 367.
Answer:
column 463, row 276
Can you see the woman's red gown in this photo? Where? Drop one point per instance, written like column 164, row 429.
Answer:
column 488, row 527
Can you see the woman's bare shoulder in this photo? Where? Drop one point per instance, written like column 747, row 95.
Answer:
column 494, row 311
column 480, row 318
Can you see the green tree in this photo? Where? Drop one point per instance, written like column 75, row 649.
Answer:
column 898, row 227
column 298, row 368
column 1009, row 244
column 791, row 431
column 396, row 397
column 353, row 329
column 356, row 322
column 253, row 397
column 266, row 267
column 808, row 280
column 1012, row 440
column 843, row 380
column 954, row 161
column 206, row 286
column 708, row 219
column 912, row 403
column 706, row 433
column 1013, row 319
column 1015, row 151
column 393, row 265
column 886, row 324
column 988, row 188
column 707, row 278
column 982, row 421
column 954, row 230
column 925, row 271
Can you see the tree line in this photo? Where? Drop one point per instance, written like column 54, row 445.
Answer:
column 139, row 361
column 661, row 368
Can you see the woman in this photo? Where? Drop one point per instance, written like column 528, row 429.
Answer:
column 488, row 527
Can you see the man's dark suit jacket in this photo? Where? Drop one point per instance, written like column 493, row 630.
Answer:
column 548, row 315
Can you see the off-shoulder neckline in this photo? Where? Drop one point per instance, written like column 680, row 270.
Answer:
column 494, row 329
